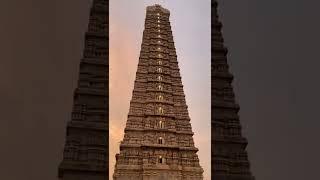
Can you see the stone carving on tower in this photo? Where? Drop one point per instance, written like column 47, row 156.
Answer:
column 86, row 145
column 158, row 141
column 229, row 156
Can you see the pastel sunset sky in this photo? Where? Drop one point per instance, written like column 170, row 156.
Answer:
column 191, row 27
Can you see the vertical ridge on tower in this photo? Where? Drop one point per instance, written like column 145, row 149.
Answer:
column 229, row 157
column 86, row 144
column 158, row 141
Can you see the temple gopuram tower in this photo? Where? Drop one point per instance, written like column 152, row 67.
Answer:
column 158, row 141
column 86, row 145
column 229, row 159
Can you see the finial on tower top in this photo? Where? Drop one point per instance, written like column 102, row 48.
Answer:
column 157, row 7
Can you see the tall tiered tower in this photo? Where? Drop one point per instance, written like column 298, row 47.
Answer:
column 158, row 141
column 86, row 146
column 229, row 158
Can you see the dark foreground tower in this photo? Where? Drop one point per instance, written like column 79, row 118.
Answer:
column 229, row 159
column 86, row 146
column 158, row 141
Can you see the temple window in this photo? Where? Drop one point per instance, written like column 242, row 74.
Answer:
column 160, row 140
column 160, row 110
column 160, row 87
column 159, row 70
column 160, row 98
column 159, row 78
column 160, row 62
column 161, row 124
column 160, row 159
